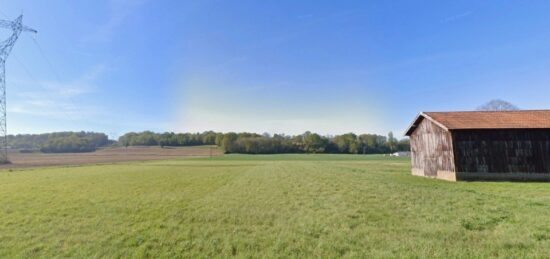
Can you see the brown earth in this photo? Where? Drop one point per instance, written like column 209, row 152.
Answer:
column 107, row 155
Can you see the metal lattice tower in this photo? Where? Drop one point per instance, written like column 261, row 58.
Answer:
column 5, row 48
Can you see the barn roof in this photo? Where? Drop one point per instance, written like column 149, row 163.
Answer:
column 533, row 119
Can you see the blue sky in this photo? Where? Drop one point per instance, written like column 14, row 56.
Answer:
column 270, row 66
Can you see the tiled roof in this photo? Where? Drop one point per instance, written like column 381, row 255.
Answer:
column 535, row 119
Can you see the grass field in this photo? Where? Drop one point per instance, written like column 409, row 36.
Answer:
column 266, row 206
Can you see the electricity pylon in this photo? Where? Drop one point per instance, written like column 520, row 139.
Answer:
column 5, row 48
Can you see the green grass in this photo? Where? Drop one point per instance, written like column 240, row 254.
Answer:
column 267, row 206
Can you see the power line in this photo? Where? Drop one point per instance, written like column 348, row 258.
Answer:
column 68, row 113
column 25, row 68
column 3, row 14
column 50, row 64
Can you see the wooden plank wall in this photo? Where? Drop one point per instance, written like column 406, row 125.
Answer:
column 431, row 149
column 502, row 151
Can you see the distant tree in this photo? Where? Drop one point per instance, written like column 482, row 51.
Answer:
column 391, row 142
column 498, row 105
column 228, row 142
column 314, row 143
column 208, row 138
column 346, row 143
column 372, row 143
column 219, row 138
column 404, row 145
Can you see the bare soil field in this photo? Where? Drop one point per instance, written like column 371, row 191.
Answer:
column 107, row 155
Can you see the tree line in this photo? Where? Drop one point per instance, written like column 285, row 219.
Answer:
column 246, row 143
column 252, row 143
column 59, row 142
column 149, row 138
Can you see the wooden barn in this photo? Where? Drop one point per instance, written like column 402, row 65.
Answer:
column 500, row 145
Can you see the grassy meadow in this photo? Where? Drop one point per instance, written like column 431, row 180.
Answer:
column 266, row 206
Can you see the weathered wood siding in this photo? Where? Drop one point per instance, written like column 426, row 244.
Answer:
column 431, row 150
column 485, row 152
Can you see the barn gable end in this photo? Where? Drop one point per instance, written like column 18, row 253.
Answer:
column 432, row 151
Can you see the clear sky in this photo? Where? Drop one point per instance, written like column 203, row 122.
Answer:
column 280, row 66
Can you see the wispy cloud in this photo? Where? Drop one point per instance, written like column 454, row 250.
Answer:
column 54, row 110
column 53, row 99
column 457, row 17
column 120, row 10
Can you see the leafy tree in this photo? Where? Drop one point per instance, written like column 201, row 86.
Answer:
column 404, row 145
column 391, row 142
column 228, row 142
column 314, row 143
column 497, row 105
